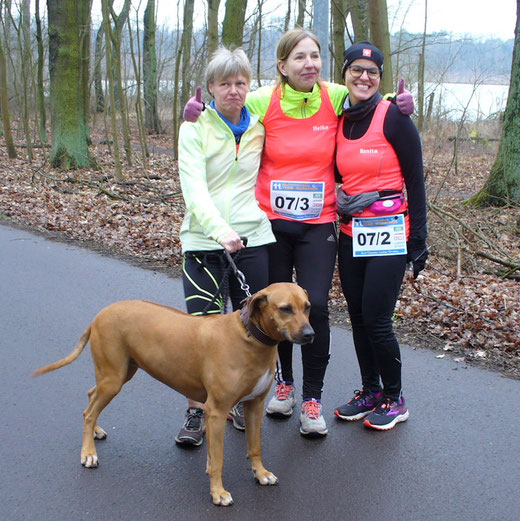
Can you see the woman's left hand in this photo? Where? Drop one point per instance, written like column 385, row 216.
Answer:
column 404, row 99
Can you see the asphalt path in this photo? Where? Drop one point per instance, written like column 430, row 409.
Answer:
column 457, row 457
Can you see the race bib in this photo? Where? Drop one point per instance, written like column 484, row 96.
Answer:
column 378, row 236
column 297, row 200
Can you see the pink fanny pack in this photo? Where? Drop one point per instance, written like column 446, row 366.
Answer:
column 387, row 205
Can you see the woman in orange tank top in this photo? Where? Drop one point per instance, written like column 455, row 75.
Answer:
column 378, row 154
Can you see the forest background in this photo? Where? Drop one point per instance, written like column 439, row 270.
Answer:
column 91, row 97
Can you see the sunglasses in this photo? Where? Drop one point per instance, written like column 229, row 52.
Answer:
column 357, row 71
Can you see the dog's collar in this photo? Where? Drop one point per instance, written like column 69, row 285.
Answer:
column 254, row 330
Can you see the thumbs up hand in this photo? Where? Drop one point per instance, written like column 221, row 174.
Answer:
column 404, row 99
column 194, row 106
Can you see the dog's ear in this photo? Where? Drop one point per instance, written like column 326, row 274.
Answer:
column 255, row 302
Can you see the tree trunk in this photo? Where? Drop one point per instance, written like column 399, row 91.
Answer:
column 233, row 25
column 381, row 39
column 69, row 26
column 120, row 99
column 259, row 50
column 503, row 185
column 4, row 105
column 187, row 34
column 359, row 14
column 301, row 13
column 320, row 28
column 39, row 78
column 213, row 6
column 153, row 125
column 24, row 44
column 119, row 24
column 287, row 16
column 338, row 12
column 111, row 95
column 176, row 104
column 420, row 79
column 98, row 80
column 139, row 102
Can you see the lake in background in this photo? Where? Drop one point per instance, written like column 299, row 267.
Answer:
column 481, row 101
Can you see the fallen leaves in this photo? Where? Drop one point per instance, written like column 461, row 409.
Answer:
column 457, row 305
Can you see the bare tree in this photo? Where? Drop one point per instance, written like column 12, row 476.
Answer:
column 153, row 124
column 503, row 185
column 300, row 18
column 381, row 38
column 213, row 6
column 39, row 78
column 4, row 103
column 360, row 19
column 98, row 80
column 233, row 25
column 420, row 79
column 110, row 74
column 339, row 13
column 187, row 34
column 69, row 30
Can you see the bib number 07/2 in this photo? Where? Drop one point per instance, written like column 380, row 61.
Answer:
column 378, row 236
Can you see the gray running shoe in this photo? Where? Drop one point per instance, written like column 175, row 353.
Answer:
column 283, row 401
column 312, row 422
column 236, row 415
column 193, row 428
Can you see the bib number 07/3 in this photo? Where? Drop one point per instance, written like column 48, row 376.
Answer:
column 297, row 200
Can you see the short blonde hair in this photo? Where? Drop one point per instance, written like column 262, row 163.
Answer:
column 287, row 43
column 225, row 64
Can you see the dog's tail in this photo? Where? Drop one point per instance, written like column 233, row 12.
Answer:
column 82, row 342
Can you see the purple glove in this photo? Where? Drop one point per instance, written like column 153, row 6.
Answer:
column 404, row 99
column 195, row 106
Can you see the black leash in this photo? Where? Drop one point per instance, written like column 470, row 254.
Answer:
column 223, row 287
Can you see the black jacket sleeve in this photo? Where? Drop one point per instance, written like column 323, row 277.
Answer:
column 404, row 138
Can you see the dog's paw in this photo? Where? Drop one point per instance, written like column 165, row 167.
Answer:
column 222, row 499
column 99, row 433
column 90, row 462
column 266, row 478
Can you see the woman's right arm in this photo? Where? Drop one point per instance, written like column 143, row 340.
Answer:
column 194, row 184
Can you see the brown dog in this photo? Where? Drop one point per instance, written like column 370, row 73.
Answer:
column 216, row 359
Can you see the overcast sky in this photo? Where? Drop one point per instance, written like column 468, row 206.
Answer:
column 481, row 18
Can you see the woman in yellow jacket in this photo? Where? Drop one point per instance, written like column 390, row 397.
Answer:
column 219, row 157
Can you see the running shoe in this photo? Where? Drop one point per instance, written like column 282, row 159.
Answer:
column 193, row 428
column 387, row 414
column 312, row 422
column 360, row 405
column 283, row 401
column 236, row 415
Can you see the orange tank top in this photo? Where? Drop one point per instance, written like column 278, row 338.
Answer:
column 369, row 163
column 296, row 177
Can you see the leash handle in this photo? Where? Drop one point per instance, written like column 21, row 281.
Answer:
column 238, row 274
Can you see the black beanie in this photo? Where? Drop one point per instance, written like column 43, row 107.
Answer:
column 359, row 50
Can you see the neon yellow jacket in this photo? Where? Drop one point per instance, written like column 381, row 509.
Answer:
column 296, row 104
column 218, row 184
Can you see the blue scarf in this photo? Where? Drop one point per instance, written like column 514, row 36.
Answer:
column 239, row 129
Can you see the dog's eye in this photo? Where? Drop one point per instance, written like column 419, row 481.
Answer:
column 308, row 307
column 286, row 309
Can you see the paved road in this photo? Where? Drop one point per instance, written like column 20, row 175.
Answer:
column 457, row 458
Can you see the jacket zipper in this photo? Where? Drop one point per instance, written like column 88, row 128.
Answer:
column 304, row 107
